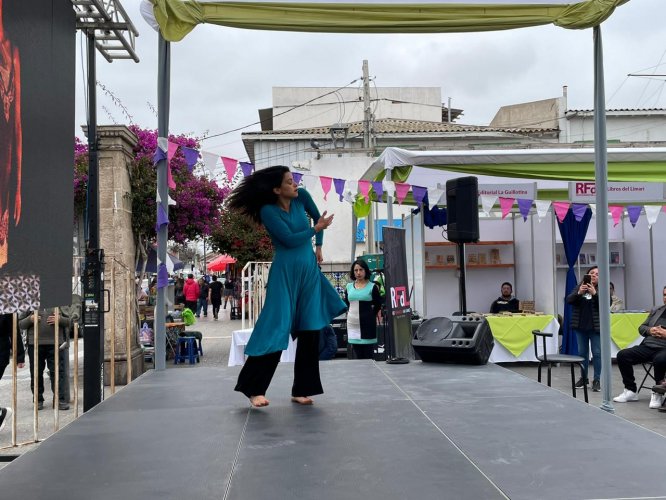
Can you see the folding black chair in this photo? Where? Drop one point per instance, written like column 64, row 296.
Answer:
column 647, row 366
column 552, row 359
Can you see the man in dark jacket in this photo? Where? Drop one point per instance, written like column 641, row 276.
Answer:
column 653, row 348
column 505, row 302
column 6, row 326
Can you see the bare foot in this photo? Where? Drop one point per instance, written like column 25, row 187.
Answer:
column 302, row 400
column 259, row 401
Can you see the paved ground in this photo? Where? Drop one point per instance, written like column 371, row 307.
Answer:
column 216, row 343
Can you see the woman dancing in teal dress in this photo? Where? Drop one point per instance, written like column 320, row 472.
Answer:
column 300, row 301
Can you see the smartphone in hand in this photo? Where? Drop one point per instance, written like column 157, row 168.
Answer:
column 587, row 279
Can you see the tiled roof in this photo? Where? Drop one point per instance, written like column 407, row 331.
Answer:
column 402, row 126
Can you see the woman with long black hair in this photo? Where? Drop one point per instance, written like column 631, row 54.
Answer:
column 300, row 301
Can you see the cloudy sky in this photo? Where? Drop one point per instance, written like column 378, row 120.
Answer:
column 221, row 76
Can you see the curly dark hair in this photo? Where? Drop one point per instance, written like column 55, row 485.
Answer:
column 256, row 190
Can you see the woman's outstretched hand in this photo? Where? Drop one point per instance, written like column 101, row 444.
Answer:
column 324, row 222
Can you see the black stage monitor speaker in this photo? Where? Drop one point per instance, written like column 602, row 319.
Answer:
column 461, row 339
column 462, row 209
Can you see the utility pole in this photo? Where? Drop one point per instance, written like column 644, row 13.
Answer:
column 367, row 144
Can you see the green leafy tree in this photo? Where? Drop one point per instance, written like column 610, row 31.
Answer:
column 240, row 237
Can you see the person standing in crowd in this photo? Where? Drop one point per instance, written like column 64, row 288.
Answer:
column 228, row 291
column 652, row 348
column 585, row 324
column 191, row 293
column 215, row 296
column 6, row 337
column 202, row 303
column 505, row 302
column 616, row 302
column 300, row 301
column 179, row 290
column 364, row 302
column 46, row 353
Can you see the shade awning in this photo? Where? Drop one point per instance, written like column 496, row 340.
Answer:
column 176, row 18
column 624, row 164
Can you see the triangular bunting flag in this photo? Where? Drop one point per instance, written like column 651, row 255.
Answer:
column 191, row 157
column 210, row 161
column 351, row 190
column 389, row 188
column 159, row 156
column 162, row 276
column 171, row 201
column 634, row 212
column 247, row 168
column 593, row 207
column 364, row 188
column 378, row 189
column 652, row 213
column 297, row 177
column 325, row 185
column 434, row 195
column 170, row 182
column 524, row 207
column 419, row 194
column 487, row 202
column 310, row 182
column 506, row 204
column 401, row 190
column 163, row 143
column 542, row 207
column 579, row 210
column 162, row 217
column 616, row 212
column 339, row 187
column 173, row 147
column 561, row 208
column 230, row 165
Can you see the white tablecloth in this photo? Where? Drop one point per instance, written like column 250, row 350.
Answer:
column 502, row 355
column 239, row 339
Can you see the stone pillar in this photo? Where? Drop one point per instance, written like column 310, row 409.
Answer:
column 116, row 238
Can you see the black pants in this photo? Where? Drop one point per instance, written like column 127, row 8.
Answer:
column 3, row 365
column 626, row 358
column 216, row 302
column 363, row 351
column 191, row 305
column 46, row 357
column 258, row 371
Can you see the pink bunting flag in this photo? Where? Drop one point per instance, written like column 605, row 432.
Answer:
column 579, row 210
column 664, row 208
column 561, row 208
column 524, row 207
column 506, row 204
column 230, row 165
column 364, row 187
column 616, row 211
column 170, row 181
column 634, row 212
column 401, row 190
column 325, row 185
column 173, row 147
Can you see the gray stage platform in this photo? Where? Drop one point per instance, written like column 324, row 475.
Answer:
column 381, row 431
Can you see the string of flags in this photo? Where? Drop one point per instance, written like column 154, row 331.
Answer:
column 353, row 191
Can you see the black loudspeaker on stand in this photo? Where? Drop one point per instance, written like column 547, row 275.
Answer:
column 461, row 339
column 462, row 210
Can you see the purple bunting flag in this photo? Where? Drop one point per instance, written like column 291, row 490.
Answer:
column 297, row 177
column 162, row 276
column 524, row 207
column 378, row 188
column 339, row 187
column 247, row 168
column 191, row 157
column 418, row 192
column 159, row 156
column 634, row 213
column 579, row 210
column 162, row 217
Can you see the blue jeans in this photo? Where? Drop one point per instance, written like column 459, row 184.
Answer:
column 202, row 304
column 584, row 339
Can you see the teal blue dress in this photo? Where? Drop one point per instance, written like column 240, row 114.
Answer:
column 298, row 295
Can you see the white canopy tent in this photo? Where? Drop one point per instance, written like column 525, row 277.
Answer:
column 176, row 18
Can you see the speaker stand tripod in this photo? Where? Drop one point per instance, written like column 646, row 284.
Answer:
column 462, row 291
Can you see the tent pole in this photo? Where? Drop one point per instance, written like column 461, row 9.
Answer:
column 163, row 77
column 601, row 182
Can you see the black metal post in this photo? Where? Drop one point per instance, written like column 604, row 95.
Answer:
column 462, row 291
column 93, row 275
